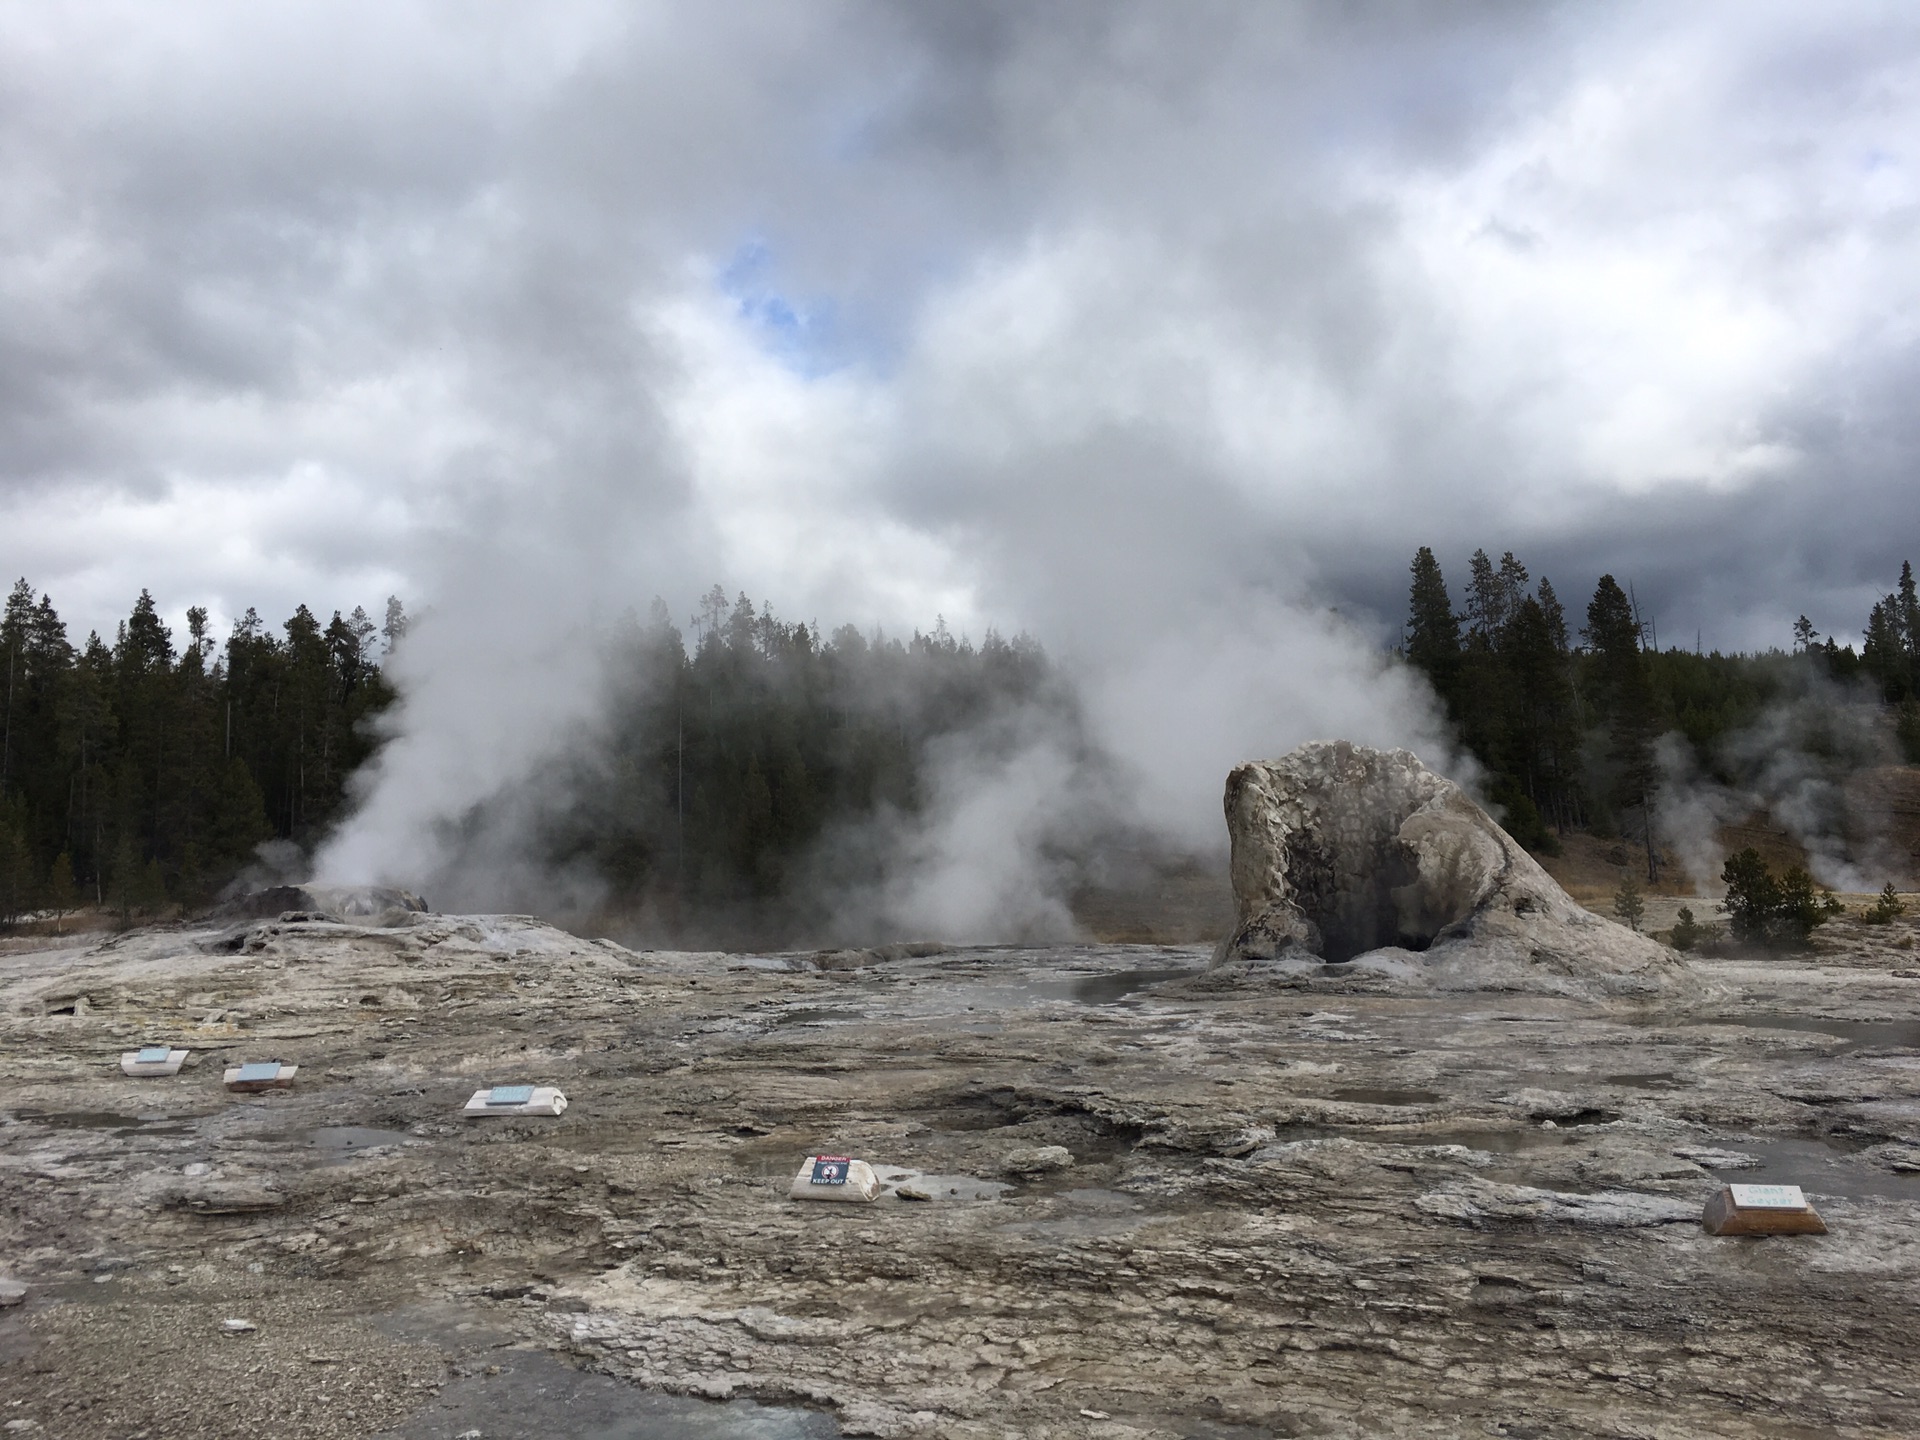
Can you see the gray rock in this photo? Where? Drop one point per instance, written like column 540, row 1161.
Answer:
column 323, row 902
column 12, row 1292
column 1037, row 1160
column 1473, row 1201
column 1340, row 850
column 1549, row 1104
column 1716, row 1159
column 230, row 1197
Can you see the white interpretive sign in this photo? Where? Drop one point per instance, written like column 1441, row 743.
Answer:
column 152, row 1060
column 260, row 1075
column 1768, row 1197
column 516, row 1100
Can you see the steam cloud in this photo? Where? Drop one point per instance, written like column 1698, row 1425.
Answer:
column 1791, row 763
column 1156, row 332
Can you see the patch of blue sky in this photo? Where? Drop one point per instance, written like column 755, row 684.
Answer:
column 806, row 336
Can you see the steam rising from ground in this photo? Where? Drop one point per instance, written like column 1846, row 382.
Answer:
column 1019, row 810
column 1151, row 330
column 1792, row 763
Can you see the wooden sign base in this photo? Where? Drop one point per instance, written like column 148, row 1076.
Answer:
column 1761, row 1210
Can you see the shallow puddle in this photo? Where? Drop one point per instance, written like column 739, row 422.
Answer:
column 815, row 1017
column 1493, row 1142
column 1085, row 1213
column 942, row 1187
column 107, row 1120
column 337, row 1142
column 1859, row 1034
column 1105, row 989
column 535, row 1394
column 1364, row 1096
column 1818, row 1166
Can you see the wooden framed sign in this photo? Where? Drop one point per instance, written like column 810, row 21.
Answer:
column 1761, row 1210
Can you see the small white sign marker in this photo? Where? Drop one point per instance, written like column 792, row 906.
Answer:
column 152, row 1060
column 260, row 1075
column 517, row 1100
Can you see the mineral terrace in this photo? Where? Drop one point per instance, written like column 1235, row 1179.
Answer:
column 1277, row 1197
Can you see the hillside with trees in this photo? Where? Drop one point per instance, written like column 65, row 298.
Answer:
column 1567, row 718
column 145, row 773
column 742, row 785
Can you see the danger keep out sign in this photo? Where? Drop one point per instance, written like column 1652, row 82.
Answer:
column 830, row 1169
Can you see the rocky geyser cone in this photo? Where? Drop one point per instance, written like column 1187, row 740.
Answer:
column 1340, row 850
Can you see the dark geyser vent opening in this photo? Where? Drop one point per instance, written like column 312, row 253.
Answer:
column 1355, row 898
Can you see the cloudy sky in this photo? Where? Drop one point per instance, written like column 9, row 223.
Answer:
column 1076, row 317
column 1163, row 331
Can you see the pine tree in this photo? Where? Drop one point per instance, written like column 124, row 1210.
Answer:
column 1628, row 902
column 16, row 869
column 1433, row 630
column 1486, row 607
column 1614, row 634
column 1686, row 931
column 1542, row 738
column 62, row 894
column 1512, row 587
column 1908, row 622
column 396, row 622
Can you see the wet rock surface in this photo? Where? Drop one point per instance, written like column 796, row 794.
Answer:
column 1147, row 1207
column 1343, row 854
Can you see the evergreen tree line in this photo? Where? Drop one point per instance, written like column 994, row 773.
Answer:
column 1891, row 654
column 1566, row 721
column 144, row 773
column 704, row 807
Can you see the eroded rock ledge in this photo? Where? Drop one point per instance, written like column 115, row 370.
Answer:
column 1343, row 853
